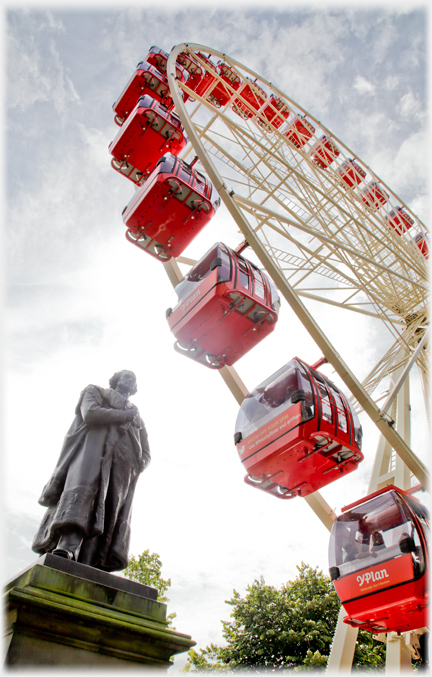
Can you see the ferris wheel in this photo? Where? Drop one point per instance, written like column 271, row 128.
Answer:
column 325, row 227
column 322, row 224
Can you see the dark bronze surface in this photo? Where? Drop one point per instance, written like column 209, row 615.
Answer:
column 89, row 496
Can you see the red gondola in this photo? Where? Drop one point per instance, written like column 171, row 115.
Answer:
column 189, row 64
column 253, row 95
column 324, row 152
column 297, row 432
column 220, row 94
column 374, row 196
column 196, row 72
column 170, row 209
column 211, row 88
column 351, row 173
column 226, row 305
column 300, row 131
column 275, row 111
column 378, row 559
column 150, row 131
column 158, row 58
column 423, row 244
column 399, row 220
column 207, row 78
column 146, row 80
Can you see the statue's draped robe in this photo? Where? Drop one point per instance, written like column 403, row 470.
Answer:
column 93, row 484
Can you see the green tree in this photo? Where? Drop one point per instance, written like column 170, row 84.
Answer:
column 369, row 654
column 146, row 569
column 207, row 659
column 290, row 628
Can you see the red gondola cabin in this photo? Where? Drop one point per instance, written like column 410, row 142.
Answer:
column 170, row 209
column 226, row 305
column 351, row 173
column 422, row 243
column 254, row 97
column 150, row 131
column 196, row 72
column 188, row 62
column 299, row 132
column 399, row 220
column 297, row 432
column 158, row 58
column 324, row 152
column 207, row 76
column 275, row 111
column 212, row 89
column 374, row 196
column 378, row 559
column 146, row 80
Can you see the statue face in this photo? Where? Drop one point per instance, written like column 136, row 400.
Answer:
column 126, row 382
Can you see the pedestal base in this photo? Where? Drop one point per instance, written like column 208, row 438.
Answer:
column 62, row 613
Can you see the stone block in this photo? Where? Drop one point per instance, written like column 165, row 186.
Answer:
column 63, row 613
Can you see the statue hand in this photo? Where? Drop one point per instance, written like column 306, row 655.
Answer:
column 130, row 414
column 143, row 464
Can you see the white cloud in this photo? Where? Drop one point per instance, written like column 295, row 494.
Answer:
column 31, row 76
column 405, row 169
column 363, row 86
column 410, row 108
column 391, row 82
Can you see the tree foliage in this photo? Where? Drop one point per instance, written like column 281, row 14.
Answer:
column 146, row 569
column 279, row 627
column 291, row 628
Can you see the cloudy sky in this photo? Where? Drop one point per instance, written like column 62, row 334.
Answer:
column 81, row 303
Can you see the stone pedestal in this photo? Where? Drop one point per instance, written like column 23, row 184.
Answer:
column 63, row 613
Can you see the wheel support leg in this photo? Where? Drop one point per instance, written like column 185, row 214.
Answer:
column 343, row 647
column 398, row 655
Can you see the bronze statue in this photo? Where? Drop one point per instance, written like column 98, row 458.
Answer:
column 89, row 496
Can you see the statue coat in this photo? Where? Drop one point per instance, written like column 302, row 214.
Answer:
column 93, row 483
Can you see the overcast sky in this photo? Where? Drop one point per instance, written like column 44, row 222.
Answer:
column 81, row 303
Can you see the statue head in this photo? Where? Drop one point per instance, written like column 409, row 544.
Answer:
column 113, row 382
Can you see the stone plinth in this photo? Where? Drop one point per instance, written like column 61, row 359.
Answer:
column 63, row 613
